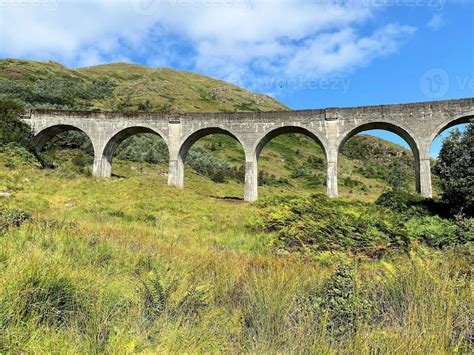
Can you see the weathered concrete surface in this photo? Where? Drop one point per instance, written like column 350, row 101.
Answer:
column 419, row 124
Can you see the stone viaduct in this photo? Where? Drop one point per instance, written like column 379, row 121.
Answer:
column 418, row 124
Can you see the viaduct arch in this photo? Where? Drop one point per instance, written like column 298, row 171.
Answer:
column 418, row 123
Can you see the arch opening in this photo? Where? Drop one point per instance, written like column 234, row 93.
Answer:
column 135, row 145
column 449, row 164
column 66, row 147
column 216, row 154
column 442, row 132
column 377, row 157
column 292, row 158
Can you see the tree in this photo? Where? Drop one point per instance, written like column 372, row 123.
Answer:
column 12, row 129
column 455, row 167
column 397, row 177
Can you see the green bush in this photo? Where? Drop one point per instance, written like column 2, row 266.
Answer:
column 316, row 162
column 12, row 129
column 405, row 202
column 264, row 178
column 12, row 218
column 75, row 164
column 313, row 224
column 455, row 168
column 340, row 301
column 354, row 183
column 58, row 92
column 155, row 296
column 299, row 173
column 439, row 233
column 216, row 169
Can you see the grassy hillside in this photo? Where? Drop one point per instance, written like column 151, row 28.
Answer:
column 132, row 265
column 367, row 166
column 124, row 87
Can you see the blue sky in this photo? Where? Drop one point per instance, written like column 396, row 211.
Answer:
column 305, row 53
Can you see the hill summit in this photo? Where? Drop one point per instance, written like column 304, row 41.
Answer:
column 125, row 87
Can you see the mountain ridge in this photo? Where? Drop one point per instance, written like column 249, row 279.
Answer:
column 125, row 87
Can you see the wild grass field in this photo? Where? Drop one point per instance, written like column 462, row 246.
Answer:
column 132, row 265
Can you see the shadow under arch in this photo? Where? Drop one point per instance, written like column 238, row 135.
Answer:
column 113, row 143
column 47, row 134
column 393, row 128
column 288, row 130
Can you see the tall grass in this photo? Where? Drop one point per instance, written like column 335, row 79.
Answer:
column 61, row 289
column 130, row 265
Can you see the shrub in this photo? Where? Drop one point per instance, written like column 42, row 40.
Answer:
column 298, row 173
column 354, row 183
column 313, row 224
column 404, row 202
column 341, row 302
column 455, row 167
column 12, row 129
column 207, row 165
column 155, row 296
column 9, row 163
column 76, row 165
column 71, row 140
column 264, row 178
column 439, row 233
column 12, row 218
column 316, row 162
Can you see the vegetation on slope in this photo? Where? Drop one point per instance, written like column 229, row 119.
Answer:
column 124, row 87
column 313, row 224
column 132, row 265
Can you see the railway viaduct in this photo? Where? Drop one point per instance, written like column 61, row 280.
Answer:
column 418, row 124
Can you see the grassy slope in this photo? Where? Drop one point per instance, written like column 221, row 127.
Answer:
column 185, row 91
column 163, row 87
column 93, row 243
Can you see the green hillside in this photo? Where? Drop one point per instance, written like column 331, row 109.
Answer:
column 368, row 165
column 124, row 87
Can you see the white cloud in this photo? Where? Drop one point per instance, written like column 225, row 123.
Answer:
column 436, row 22
column 244, row 41
column 345, row 50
